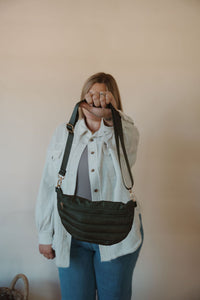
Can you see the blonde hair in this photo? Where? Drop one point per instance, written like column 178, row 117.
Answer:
column 110, row 83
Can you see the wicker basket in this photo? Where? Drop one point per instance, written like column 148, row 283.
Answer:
column 11, row 293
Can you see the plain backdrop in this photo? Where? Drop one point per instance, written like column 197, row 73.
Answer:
column 47, row 50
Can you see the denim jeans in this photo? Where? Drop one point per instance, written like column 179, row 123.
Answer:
column 86, row 274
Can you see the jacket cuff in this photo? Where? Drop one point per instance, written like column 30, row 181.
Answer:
column 45, row 238
column 125, row 117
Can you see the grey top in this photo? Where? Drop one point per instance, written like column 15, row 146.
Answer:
column 83, row 188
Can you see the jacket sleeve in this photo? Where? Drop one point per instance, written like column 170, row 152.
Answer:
column 45, row 198
column 131, row 137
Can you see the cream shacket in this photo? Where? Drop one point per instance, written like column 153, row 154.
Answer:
column 106, row 184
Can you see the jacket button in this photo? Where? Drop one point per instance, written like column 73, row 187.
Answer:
column 92, row 170
column 91, row 140
column 92, row 152
column 96, row 190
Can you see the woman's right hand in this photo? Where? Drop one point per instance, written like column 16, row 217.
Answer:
column 47, row 251
column 96, row 104
column 100, row 99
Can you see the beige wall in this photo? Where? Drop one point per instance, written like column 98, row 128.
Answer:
column 48, row 48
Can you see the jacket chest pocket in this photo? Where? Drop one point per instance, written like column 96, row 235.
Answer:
column 108, row 164
column 56, row 157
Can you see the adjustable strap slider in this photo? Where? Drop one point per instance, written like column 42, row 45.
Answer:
column 60, row 179
column 70, row 127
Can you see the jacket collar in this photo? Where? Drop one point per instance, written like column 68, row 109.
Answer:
column 104, row 130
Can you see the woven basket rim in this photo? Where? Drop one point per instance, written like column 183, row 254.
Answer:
column 14, row 292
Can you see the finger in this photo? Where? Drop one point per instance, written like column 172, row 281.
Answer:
column 102, row 100
column 110, row 99
column 88, row 98
column 49, row 255
column 96, row 99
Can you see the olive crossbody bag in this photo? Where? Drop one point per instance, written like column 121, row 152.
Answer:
column 102, row 222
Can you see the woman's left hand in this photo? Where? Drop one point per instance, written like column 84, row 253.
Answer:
column 96, row 104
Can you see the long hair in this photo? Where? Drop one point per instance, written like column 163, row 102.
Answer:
column 110, row 83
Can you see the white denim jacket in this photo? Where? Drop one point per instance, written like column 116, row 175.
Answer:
column 106, row 184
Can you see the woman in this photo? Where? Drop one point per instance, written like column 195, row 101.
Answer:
column 93, row 172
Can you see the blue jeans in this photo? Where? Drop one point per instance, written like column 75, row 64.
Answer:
column 86, row 274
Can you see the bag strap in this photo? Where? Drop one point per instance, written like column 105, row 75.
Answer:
column 119, row 138
column 70, row 127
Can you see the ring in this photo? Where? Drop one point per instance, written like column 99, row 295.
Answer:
column 102, row 93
